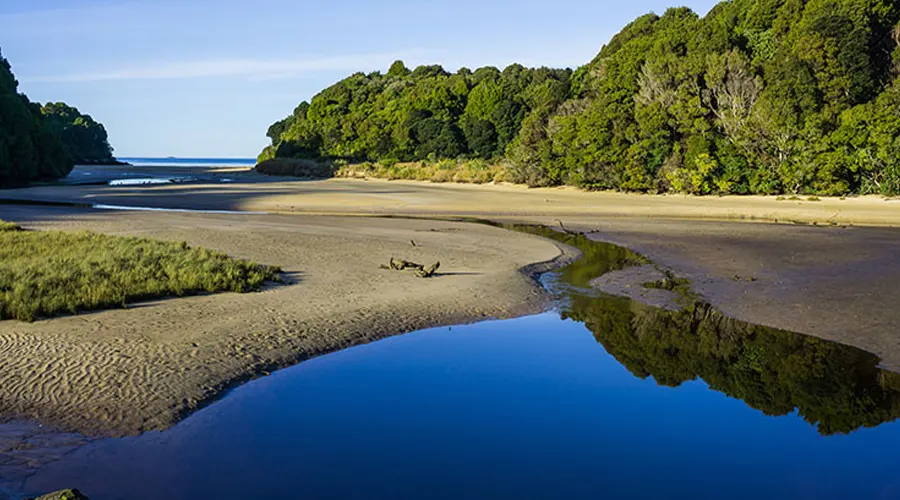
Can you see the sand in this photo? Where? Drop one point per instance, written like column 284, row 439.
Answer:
column 125, row 371
column 251, row 191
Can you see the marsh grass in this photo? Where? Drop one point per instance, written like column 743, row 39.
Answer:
column 46, row 273
column 8, row 226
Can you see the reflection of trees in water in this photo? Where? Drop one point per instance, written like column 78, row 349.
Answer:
column 834, row 387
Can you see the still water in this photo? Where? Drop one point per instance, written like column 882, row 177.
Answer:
column 603, row 398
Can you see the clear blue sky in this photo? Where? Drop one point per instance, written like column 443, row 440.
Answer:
column 206, row 78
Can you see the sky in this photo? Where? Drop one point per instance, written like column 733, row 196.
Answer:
column 205, row 78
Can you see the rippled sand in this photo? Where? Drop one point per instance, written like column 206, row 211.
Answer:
column 130, row 370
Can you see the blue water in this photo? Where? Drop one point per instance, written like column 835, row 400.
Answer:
column 603, row 398
column 527, row 408
column 190, row 162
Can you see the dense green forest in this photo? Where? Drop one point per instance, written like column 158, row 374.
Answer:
column 84, row 139
column 29, row 150
column 758, row 96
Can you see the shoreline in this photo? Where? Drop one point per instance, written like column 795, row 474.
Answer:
column 251, row 191
column 835, row 283
column 123, row 372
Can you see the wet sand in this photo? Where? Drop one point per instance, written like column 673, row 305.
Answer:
column 130, row 370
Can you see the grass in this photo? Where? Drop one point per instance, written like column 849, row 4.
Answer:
column 8, row 226
column 460, row 171
column 672, row 283
column 47, row 273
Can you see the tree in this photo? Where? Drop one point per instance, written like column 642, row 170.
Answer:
column 84, row 140
column 29, row 150
column 398, row 70
column 758, row 96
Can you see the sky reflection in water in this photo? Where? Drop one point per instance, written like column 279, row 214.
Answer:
column 530, row 408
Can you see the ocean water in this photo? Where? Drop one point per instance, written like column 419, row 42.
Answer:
column 190, row 162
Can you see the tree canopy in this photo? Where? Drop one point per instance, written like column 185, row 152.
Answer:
column 416, row 115
column 84, row 139
column 29, row 150
column 758, row 96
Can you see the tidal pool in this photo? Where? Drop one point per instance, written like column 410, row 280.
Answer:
column 602, row 398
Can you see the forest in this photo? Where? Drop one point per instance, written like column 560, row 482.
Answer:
column 756, row 97
column 44, row 142
column 29, row 149
column 84, row 139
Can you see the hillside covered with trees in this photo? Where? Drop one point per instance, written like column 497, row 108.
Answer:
column 29, row 150
column 758, row 96
column 84, row 139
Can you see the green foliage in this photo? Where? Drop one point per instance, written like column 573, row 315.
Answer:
column 52, row 272
column 8, row 226
column 758, row 96
column 411, row 116
column 29, row 150
column 84, row 140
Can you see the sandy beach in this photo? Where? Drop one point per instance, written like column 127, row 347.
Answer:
column 126, row 371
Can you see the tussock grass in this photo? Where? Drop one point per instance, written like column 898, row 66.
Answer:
column 45, row 273
column 461, row 171
column 8, row 226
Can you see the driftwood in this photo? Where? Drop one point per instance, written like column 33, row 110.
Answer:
column 567, row 230
column 420, row 270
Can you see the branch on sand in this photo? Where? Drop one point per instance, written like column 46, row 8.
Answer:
column 420, row 270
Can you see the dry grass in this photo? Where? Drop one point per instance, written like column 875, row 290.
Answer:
column 461, row 171
column 51, row 272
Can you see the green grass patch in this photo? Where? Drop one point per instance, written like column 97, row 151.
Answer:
column 46, row 273
column 668, row 283
column 8, row 226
